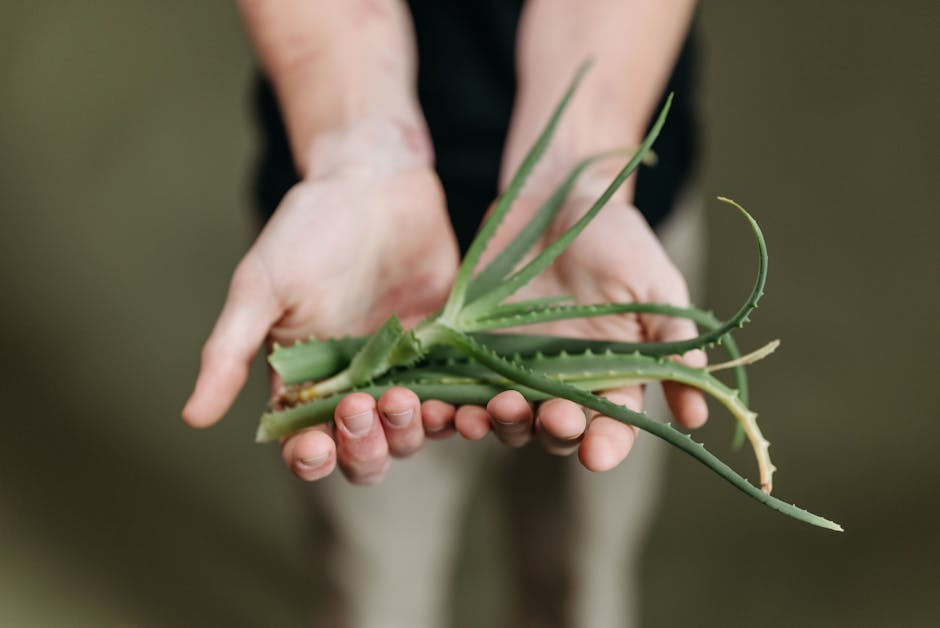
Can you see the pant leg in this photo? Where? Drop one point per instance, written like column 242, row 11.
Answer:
column 534, row 490
column 614, row 510
column 385, row 554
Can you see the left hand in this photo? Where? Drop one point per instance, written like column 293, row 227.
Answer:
column 616, row 258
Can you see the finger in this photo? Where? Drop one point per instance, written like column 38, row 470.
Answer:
column 511, row 418
column 559, row 426
column 400, row 411
column 438, row 418
column 311, row 453
column 362, row 450
column 472, row 422
column 250, row 310
column 607, row 441
column 686, row 402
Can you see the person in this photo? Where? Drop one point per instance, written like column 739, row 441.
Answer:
column 369, row 154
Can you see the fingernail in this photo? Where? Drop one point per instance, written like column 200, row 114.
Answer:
column 399, row 419
column 359, row 424
column 313, row 461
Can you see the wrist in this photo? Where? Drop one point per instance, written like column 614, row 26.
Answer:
column 374, row 145
column 595, row 122
column 604, row 112
column 335, row 66
column 354, row 104
column 608, row 145
column 633, row 46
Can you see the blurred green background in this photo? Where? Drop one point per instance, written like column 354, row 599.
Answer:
column 126, row 145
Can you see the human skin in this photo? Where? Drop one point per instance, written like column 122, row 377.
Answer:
column 365, row 233
column 633, row 45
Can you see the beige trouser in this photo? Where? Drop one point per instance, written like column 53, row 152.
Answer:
column 384, row 554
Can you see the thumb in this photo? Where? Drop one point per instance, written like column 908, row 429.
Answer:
column 250, row 309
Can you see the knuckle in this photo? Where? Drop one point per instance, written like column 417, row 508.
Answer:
column 245, row 276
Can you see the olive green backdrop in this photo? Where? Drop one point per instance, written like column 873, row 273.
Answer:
column 126, row 143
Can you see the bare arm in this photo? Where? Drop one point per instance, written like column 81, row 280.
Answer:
column 333, row 259
column 634, row 45
column 336, row 65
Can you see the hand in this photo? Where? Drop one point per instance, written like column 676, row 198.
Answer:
column 344, row 250
column 617, row 258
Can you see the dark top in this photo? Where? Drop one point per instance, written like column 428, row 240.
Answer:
column 466, row 84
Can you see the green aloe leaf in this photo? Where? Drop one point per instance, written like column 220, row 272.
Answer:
column 485, row 303
column 505, row 201
column 522, row 375
column 527, row 237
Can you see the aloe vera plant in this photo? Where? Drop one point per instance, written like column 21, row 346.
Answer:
column 452, row 356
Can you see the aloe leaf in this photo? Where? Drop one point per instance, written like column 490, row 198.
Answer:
column 483, row 304
column 377, row 363
column 309, row 360
column 504, row 318
column 531, row 305
column 508, row 316
column 449, row 381
column 649, row 369
column 522, row 375
column 509, row 257
column 374, row 354
column 313, row 359
column 602, row 371
column 452, row 380
column 527, row 344
column 744, row 360
column 488, row 315
column 390, row 346
column 737, row 441
column 461, row 283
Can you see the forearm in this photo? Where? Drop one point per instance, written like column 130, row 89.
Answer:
column 633, row 44
column 336, row 66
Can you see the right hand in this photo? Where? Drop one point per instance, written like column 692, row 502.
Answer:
column 364, row 237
